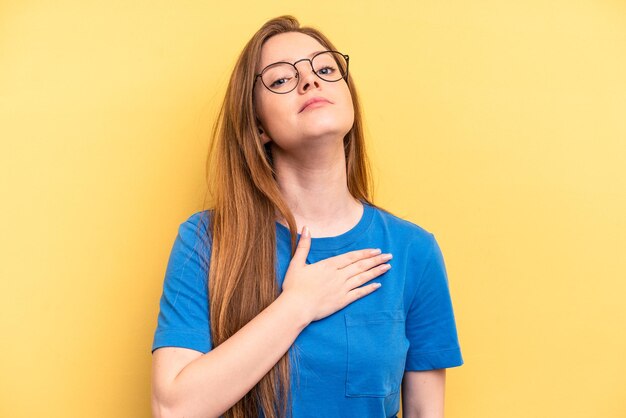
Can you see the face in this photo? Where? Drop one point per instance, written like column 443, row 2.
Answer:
column 280, row 115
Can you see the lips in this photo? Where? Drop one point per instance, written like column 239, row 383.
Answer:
column 313, row 100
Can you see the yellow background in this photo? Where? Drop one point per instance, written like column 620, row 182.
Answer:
column 500, row 126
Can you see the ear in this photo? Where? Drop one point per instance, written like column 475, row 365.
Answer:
column 264, row 137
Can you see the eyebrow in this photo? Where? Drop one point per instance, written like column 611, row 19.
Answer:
column 311, row 55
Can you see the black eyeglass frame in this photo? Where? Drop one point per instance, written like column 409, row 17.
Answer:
column 345, row 76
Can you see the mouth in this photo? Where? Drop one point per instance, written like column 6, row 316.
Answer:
column 313, row 101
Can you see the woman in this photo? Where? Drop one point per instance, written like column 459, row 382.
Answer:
column 251, row 324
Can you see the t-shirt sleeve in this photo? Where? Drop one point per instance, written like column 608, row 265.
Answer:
column 430, row 322
column 183, row 319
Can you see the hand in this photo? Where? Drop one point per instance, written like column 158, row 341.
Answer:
column 329, row 285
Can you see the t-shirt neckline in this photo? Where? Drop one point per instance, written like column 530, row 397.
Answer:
column 338, row 241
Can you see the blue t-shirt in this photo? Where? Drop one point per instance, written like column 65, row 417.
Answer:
column 351, row 363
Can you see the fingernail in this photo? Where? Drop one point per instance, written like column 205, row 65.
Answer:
column 375, row 252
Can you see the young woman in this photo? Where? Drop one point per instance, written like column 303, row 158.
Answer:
column 258, row 320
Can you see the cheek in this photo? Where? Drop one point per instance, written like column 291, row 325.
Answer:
column 348, row 106
column 277, row 115
column 261, row 105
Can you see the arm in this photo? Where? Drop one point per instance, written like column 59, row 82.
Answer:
column 187, row 383
column 423, row 393
column 431, row 330
column 212, row 383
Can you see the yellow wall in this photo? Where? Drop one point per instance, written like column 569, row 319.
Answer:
column 498, row 125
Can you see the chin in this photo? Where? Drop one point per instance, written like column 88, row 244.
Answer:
column 329, row 125
column 325, row 133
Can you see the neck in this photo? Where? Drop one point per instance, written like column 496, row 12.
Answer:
column 315, row 188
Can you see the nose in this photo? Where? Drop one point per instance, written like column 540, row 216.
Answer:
column 308, row 79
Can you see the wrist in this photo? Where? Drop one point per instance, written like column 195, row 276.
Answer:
column 296, row 308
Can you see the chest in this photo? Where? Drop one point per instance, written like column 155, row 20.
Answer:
column 360, row 350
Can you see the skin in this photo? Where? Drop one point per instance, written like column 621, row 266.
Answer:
column 307, row 148
column 423, row 394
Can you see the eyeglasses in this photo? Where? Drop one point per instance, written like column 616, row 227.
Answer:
column 283, row 77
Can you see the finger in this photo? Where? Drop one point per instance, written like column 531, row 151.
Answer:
column 360, row 292
column 362, row 278
column 366, row 264
column 304, row 244
column 342, row 260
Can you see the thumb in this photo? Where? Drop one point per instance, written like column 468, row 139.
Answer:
column 302, row 250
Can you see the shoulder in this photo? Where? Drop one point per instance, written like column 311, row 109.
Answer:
column 194, row 234
column 410, row 233
column 199, row 220
column 197, row 223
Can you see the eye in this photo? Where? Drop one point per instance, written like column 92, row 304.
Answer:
column 280, row 82
column 326, row 70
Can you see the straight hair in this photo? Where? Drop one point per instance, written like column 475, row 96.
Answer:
column 242, row 226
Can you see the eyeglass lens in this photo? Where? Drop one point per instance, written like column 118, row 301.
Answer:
column 282, row 77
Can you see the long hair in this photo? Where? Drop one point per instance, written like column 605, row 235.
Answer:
column 241, row 179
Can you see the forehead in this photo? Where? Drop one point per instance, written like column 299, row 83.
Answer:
column 289, row 47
